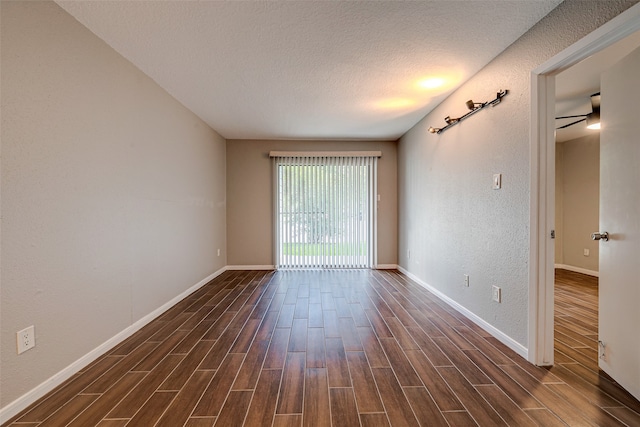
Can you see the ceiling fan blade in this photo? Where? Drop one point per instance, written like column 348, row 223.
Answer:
column 572, row 117
column 571, row 124
column 595, row 102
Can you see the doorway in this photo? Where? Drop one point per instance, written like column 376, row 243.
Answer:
column 541, row 295
column 543, row 171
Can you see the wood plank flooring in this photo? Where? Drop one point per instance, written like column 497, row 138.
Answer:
column 337, row 348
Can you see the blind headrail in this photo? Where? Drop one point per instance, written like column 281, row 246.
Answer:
column 325, row 154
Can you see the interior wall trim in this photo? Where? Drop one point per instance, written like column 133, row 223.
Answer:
column 21, row 403
column 495, row 332
column 251, row 267
column 578, row 269
column 386, row 267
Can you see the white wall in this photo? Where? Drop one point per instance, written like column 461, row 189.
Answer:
column 449, row 217
column 113, row 194
column 577, row 201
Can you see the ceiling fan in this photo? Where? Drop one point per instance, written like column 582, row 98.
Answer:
column 592, row 118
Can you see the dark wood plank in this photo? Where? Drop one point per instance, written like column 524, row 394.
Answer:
column 508, row 410
column 143, row 391
column 374, row 420
column 200, row 422
column 316, row 410
column 442, row 394
column 315, row 316
column 153, row 409
column 315, row 348
column 162, row 350
column 398, row 409
column 101, row 407
column 545, row 418
column 364, row 386
column 519, row 395
column 330, row 318
column 292, row 389
column 250, row 370
column 263, row 405
column 277, row 352
column 349, row 334
column 400, row 364
column 291, row 420
column 178, row 378
column 235, row 408
column 343, row 407
column 178, row 412
column 461, row 418
column 475, row 404
column 460, row 360
column 216, row 393
column 298, row 339
column 46, row 406
column 424, row 407
column 69, row 411
column 337, row 366
column 401, row 334
column 372, row 348
column 118, row 371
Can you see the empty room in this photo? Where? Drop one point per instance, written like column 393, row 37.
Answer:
column 319, row 213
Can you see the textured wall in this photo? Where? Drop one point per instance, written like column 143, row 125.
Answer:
column 249, row 197
column 113, row 194
column 579, row 190
column 449, row 217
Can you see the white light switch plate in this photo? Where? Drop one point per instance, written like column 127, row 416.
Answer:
column 497, row 181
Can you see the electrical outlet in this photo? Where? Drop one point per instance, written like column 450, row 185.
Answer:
column 26, row 339
column 585, row 252
column 496, row 294
column 466, row 280
column 218, row 252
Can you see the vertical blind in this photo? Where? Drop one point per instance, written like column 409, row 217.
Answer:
column 325, row 210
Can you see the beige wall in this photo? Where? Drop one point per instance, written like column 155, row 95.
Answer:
column 559, row 214
column 578, row 189
column 113, row 194
column 250, row 196
column 450, row 219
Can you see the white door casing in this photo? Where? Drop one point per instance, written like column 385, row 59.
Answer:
column 619, row 289
column 542, row 182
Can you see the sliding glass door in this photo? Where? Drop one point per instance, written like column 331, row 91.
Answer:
column 325, row 211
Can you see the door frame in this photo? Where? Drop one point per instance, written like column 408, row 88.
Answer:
column 542, row 178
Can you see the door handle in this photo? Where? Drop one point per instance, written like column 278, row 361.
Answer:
column 600, row 236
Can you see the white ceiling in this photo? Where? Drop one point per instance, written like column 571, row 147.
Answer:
column 309, row 69
column 575, row 85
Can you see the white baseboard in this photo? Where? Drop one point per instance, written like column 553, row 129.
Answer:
column 578, row 270
column 497, row 333
column 386, row 267
column 21, row 403
column 251, row 267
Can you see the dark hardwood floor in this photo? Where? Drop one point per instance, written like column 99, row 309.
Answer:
column 338, row 348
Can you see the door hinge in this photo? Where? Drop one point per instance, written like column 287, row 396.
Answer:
column 553, row 234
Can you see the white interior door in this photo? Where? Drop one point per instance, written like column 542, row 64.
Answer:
column 619, row 325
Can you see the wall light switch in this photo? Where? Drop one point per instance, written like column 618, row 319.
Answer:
column 496, row 294
column 585, row 252
column 497, row 181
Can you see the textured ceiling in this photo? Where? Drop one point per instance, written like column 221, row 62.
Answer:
column 309, row 69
